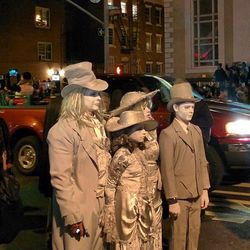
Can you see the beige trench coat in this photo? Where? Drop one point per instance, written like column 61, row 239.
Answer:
column 74, row 177
column 177, row 175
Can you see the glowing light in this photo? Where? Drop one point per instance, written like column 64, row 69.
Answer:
column 239, row 127
column 61, row 72
column 50, row 72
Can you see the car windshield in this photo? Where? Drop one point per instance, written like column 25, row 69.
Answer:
column 165, row 87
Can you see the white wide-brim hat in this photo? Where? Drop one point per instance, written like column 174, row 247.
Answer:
column 128, row 119
column 80, row 75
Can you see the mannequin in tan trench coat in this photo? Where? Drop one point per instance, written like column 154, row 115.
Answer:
column 78, row 152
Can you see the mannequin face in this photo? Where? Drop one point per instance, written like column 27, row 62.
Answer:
column 138, row 133
column 184, row 111
column 92, row 100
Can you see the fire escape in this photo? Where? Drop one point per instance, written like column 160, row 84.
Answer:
column 125, row 28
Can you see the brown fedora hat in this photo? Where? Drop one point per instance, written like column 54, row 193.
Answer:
column 130, row 99
column 179, row 93
column 80, row 75
column 128, row 119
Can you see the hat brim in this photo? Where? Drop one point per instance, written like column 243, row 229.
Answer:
column 178, row 101
column 96, row 85
column 113, row 125
column 120, row 109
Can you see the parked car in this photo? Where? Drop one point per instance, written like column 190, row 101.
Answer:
column 229, row 147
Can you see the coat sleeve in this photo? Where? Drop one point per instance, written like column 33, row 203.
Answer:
column 167, row 149
column 118, row 165
column 203, row 162
column 61, row 152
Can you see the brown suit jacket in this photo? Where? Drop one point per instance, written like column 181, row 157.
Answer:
column 177, row 155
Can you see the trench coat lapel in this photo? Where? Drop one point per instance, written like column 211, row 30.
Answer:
column 180, row 132
column 87, row 143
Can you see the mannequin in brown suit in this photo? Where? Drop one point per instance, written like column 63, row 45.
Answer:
column 184, row 170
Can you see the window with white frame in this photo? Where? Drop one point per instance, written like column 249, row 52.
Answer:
column 159, row 68
column 158, row 16
column 148, row 42
column 124, row 7
column 148, row 14
column 44, row 50
column 42, row 17
column 205, row 33
column 134, row 11
column 158, row 43
column 149, row 67
column 111, row 35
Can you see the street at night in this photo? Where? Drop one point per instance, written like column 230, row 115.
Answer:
column 225, row 226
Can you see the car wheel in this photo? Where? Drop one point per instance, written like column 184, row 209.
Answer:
column 216, row 167
column 27, row 155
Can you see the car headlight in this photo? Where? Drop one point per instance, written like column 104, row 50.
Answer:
column 239, row 127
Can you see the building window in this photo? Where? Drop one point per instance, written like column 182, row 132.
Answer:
column 158, row 43
column 205, row 33
column 44, row 51
column 42, row 17
column 111, row 36
column 124, row 7
column 158, row 16
column 149, row 67
column 148, row 14
column 159, row 67
column 148, row 42
column 110, row 2
column 135, row 38
column 134, row 11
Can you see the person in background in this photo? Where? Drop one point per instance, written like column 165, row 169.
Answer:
column 184, row 170
column 26, row 84
column 79, row 158
column 220, row 78
column 129, row 205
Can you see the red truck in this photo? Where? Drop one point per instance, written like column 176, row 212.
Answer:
column 25, row 125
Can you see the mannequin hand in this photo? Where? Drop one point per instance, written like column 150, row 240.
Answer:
column 174, row 210
column 204, row 199
column 77, row 230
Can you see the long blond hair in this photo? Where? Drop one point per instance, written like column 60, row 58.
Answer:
column 73, row 107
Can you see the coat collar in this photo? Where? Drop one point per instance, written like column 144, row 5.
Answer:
column 86, row 141
column 181, row 133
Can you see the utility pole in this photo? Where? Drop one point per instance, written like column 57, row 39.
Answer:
column 105, row 26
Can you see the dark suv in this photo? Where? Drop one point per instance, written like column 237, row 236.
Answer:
column 229, row 147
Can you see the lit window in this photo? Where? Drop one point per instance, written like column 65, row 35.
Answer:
column 42, row 17
column 205, row 33
column 110, row 2
column 159, row 67
column 148, row 42
column 134, row 11
column 148, row 15
column 158, row 43
column 149, row 66
column 158, row 14
column 44, row 51
column 124, row 7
